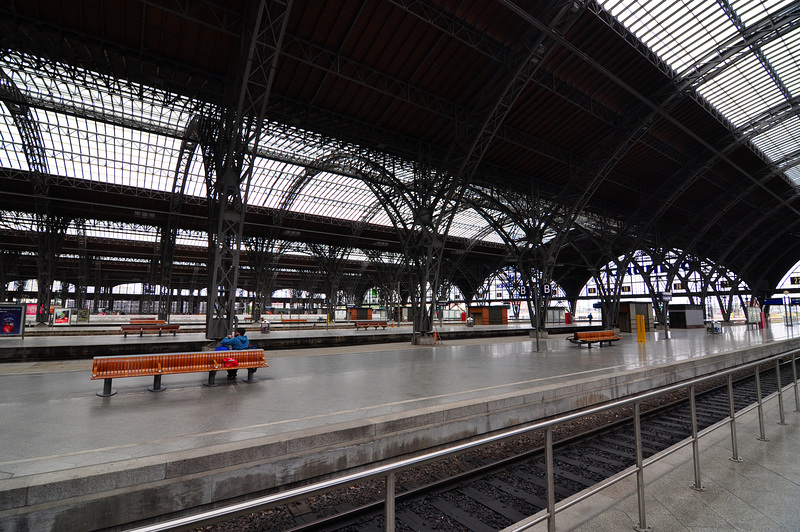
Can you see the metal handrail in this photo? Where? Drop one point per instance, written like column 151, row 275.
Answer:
column 390, row 470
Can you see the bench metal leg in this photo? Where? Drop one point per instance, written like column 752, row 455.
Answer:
column 212, row 379
column 156, row 387
column 107, row 391
column 250, row 373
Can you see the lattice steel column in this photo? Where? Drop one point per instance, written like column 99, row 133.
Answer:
column 231, row 152
column 169, row 233
column 50, row 229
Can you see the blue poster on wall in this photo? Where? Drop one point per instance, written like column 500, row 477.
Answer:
column 12, row 320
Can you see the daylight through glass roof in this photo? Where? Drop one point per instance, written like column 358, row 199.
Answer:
column 131, row 135
column 749, row 52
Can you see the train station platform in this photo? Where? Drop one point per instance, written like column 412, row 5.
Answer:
column 73, row 460
column 43, row 343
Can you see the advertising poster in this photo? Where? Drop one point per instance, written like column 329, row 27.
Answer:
column 61, row 316
column 83, row 316
column 12, row 320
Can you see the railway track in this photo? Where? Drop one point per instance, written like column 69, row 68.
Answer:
column 500, row 488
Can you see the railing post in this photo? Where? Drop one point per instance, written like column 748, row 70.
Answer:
column 390, row 519
column 763, row 436
column 732, row 409
column 796, row 394
column 551, row 480
column 780, row 391
column 637, row 429
column 698, row 485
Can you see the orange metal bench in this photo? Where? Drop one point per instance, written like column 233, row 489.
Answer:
column 156, row 365
column 368, row 324
column 591, row 337
column 149, row 326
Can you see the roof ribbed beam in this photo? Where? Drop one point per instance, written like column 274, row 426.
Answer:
column 54, row 41
column 336, row 64
column 491, row 119
column 456, row 28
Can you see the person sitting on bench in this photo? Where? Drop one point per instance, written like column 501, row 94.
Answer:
column 236, row 341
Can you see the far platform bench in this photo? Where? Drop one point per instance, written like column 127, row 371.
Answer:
column 591, row 337
column 156, row 365
column 143, row 326
column 368, row 324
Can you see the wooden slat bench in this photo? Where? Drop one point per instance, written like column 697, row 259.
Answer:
column 294, row 320
column 149, row 326
column 368, row 324
column 591, row 337
column 156, row 365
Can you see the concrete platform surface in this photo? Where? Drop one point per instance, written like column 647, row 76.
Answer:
column 312, row 413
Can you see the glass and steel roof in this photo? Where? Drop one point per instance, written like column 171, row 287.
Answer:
column 742, row 56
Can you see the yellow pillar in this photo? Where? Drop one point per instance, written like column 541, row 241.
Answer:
column 640, row 332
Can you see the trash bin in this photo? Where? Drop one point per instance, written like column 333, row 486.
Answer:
column 470, row 321
column 265, row 327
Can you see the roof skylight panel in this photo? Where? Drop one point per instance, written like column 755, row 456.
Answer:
column 725, row 91
column 784, row 56
column 317, row 206
column 310, row 201
column 12, row 154
column 272, row 181
column 780, row 141
column 108, row 153
column 191, row 240
column 794, row 174
column 753, row 11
